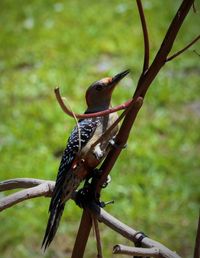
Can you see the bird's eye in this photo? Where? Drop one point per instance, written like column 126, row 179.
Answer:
column 99, row 87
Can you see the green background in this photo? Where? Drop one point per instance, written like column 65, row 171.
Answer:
column 155, row 182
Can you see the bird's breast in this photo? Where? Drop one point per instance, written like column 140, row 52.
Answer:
column 90, row 151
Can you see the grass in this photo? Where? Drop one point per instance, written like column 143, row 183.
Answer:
column 155, row 183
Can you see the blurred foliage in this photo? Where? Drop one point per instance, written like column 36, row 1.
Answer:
column 71, row 44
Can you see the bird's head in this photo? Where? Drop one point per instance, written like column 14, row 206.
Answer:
column 98, row 95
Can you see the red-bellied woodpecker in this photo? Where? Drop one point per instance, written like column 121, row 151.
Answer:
column 79, row 157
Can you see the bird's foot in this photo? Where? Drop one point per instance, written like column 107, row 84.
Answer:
column 84, row 197
column 88, row 194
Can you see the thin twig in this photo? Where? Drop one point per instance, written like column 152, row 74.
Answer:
column 82, row 116
column 194, row 8
column 165, row 48
column 123, row 249
column 98, row 238
column 196, row 52
column 197, row 241
column 145, row 36
column 78, row 128
column 183, row 50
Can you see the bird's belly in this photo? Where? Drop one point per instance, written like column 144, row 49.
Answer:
column 92, row 154
column 95, row 153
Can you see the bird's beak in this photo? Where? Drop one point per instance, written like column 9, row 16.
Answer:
column 119, row 77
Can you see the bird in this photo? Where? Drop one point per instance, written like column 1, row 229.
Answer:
column 80, row 158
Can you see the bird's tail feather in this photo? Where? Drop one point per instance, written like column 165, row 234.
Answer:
column 53, row 223
column 62, row 193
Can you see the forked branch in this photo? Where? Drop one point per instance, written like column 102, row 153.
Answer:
column 38, row 188
column 165, row 48
column 45, row 188
column 144, row 83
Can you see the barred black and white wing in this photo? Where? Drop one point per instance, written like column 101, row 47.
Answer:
column 66, row 181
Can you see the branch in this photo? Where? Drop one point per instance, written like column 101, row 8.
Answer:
column 109, row 162
column 82, row 235
column 98, row 238
column 130, row 233
column 21, row 183
column 143, row 84
column 183, row 50
column 136, row 251
column 45, row 188
column 166, row 46
column 82, row 116
column 145, row 36
column 142, row 87
column 120, row 141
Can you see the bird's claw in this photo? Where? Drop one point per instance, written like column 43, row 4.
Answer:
column 82, row 197
column 87, row 194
